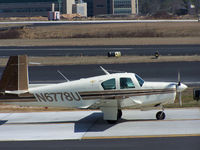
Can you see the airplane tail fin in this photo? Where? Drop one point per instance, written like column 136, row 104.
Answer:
column 14, row 79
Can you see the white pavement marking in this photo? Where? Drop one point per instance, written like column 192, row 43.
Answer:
column 4, row 115
column 89, row 124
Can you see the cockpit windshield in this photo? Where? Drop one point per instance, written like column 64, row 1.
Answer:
column 140, row 80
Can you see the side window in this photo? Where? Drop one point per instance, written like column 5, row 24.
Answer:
column 109, row 84
column 140, row 80
column 126, row 83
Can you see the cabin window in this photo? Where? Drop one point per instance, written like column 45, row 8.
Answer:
column 109, row 84
column 140, row 80
column 126, row 83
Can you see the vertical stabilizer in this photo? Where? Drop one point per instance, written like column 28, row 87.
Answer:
column 15, row 75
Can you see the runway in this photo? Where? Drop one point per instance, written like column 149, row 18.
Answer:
column 90, row 125
column 138, row 50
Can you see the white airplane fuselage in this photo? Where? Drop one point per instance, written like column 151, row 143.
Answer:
column 89, row 93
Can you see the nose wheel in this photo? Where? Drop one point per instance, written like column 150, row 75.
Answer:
column 160, row 115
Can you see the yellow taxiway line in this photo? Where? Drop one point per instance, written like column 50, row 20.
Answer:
column 145, row 136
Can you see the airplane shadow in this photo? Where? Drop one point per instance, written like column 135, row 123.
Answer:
column 95, row 123
column 84, row 124
column 2, row 122
column 91, row 123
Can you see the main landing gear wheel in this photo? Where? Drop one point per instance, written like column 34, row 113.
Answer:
column 119, row 116
column 111, row 121
column 160, row 115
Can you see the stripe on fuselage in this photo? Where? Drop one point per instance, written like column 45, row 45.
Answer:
column 91, row 95
column 117, row 94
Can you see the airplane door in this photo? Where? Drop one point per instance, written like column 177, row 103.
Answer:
column 126, row 83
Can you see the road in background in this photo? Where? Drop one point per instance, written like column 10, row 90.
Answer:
column 183, row 143
column 138, row 50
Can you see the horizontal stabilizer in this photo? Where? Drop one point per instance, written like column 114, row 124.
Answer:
column 18, row 92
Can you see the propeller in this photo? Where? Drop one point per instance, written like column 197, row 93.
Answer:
column 180, row 99
column 180, row 87
column 179, row 79
column 179, row 93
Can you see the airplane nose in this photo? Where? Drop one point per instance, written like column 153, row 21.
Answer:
column 182, row 87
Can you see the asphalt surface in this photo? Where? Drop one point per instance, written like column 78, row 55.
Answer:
column 139, row 50
column 182, row 143
column 165, row 71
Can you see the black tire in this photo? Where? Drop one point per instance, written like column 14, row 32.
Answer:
column 160, row 115
column 119, row 114
column 111, row 121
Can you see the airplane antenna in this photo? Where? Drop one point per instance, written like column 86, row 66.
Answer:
column 104, row 70
column 63, row 75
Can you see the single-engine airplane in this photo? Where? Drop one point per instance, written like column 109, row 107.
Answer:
column 109, row 93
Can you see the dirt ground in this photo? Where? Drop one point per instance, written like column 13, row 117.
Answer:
column 101, row 41
column 117, row 30
column 100, row 34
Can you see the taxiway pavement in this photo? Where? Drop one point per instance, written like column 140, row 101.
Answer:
column 90, row 125
column 138, row 50
column 164, row 71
